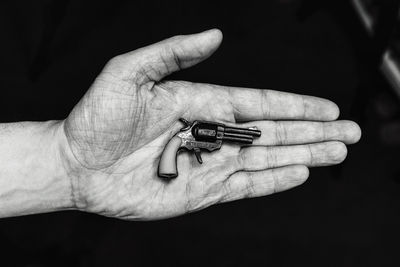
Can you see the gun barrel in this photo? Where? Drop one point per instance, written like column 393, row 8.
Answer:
column 251, row 132
column 241, row 140
column 238, row 135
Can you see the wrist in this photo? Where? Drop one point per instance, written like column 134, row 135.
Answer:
column 70, row 166
column 32, row 177
column 51, row 178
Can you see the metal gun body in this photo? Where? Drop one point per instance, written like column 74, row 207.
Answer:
column 202, row 135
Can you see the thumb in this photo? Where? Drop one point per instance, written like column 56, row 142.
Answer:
column 163, row 58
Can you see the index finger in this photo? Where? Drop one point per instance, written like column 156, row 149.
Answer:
column 262, row 104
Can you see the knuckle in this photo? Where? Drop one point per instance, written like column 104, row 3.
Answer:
column 323, row 130
column 275, row 181
column 281, row 133
column 271, row 157
column 304, row 106
column 249, row 185
column 311, row 154
column 264, row 103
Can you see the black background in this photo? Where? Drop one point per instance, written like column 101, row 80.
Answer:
column 347, row 215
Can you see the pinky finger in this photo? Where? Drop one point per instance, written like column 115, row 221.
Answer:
column 261, row 183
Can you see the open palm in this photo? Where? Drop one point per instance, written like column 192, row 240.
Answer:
column 119, row 129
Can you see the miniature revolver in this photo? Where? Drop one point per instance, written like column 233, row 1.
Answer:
column 199, row 135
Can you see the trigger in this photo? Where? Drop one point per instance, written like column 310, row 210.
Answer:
column 198, row 155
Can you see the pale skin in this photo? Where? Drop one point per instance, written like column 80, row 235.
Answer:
column 103, row 158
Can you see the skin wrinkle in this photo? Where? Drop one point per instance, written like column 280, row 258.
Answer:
column 323, row 131
column 202, row 201
column 275, row 182
column 97, row 194
column 158, row 193
column 136, row 102
column 165, row 64
column 311, row 155
column 76, row 198
column 207, row 192
column 304, row 105
column 176, row 59
column 280, row 133
column 78, row 201
column 142, row 76
column 285, row 134
column 235, row 111
column 237, row 116
column 275, row 158
column 243, row 192
column 139, row 74
column 188, row 205
column 265, row 102
column 122, row 88
column 68, row 137
column 152, row 74
column 271, row 158
column 242, row 159
column 111, row 74
column 142, row 111
column 87, row 167
column 142, row 114
column 232, row 163
column 93, row 123
column 250, row 187
column 226, row 189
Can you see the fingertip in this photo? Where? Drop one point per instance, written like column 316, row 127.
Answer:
column 300, row 174
column 218, row 34
column 214, row 31
column 321, row 109
column 333, row 111
column 349, row 132
column 304, row 172
column 214, row 36
column 345, row 131
column 354, row 132
column 200, row 46
column 337, row 152
column 295, row 176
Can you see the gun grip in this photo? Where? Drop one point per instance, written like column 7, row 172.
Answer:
column 167, row 167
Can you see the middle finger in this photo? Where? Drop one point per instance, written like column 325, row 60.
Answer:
column 303, row 132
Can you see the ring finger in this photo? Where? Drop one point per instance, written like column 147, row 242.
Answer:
column 312, row 155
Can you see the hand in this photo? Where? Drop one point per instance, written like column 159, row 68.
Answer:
column 117, row 132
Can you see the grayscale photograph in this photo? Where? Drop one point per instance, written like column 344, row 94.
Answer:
column 199, row 133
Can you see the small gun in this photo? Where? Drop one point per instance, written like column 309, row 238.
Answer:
column 199, row 135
